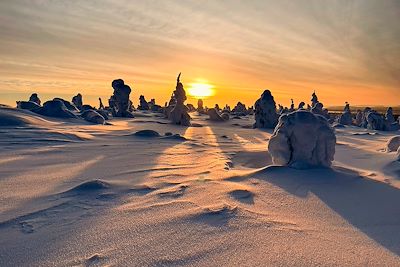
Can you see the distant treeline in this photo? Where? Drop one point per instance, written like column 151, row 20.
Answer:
column 380, row 109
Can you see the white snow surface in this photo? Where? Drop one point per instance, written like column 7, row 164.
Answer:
column 74, row 194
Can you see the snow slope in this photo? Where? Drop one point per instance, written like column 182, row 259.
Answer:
column 98, row 195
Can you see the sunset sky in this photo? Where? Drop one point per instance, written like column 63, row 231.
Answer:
column 345, row 50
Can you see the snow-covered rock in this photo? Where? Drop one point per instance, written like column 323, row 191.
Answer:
column 93, row 116
column 302, row 140
column 55, row 108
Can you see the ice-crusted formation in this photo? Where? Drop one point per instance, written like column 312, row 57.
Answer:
column 319, row 109
column 143, row 105
column 390, row 122
column 314, row 99
column 179, row 114
column 154, row 107
column 200, row 106
column 77, row 101
column 119, row 102
column 291, row 105
column 240, row 109
column 302, row 140
column 375, row 121
column 29, row 105
column 389, row 115
column 265, row 111
column 359, row 118
column 216, row 116
column 190, row 107
column 227, row 109
column 345, row 118
column 393, row 144
column 70, row 106
column 93, row 116
column 34, row 98
column 364, row 122
column 55, row 108
column 101, row 106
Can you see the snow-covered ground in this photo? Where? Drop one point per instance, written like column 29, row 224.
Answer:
column 74, row 194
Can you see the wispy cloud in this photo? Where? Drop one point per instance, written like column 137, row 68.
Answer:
column 292, row 47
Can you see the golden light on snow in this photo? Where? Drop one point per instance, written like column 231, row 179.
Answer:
column 200, row 90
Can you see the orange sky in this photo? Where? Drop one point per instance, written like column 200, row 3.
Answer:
column 345, row 50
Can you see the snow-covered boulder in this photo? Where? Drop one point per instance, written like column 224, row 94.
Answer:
column 29, row 105
column 302, row 140
column 265, row 111
column 393, row 144
column 70, row 106
column 55, row 108
column 93, row 116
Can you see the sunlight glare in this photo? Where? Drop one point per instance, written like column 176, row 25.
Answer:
column 200, row 90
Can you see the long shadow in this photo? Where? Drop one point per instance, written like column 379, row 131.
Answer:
column 236, row 143
column 121, row 157
column 371, row 206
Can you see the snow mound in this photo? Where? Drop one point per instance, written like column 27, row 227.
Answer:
column 90, row 186
column 147, row 133
column 398, row 154
column 302, row 140
column 393, row 144
column 10, row 117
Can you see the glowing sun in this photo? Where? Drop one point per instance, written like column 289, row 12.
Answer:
column 200, row 90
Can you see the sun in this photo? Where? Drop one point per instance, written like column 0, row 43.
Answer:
column 200, row 90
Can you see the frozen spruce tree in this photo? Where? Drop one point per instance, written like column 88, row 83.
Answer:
column 143, row 105
column 77, row 101
column 345, row 118
column 34, row 98
column 179, row 114
column 314, row 99
column 302, row 140
column 389, row 115
column 119, row 102
column 200, row 106
column 359, row 118
column 265, row 111
column 375, row 121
